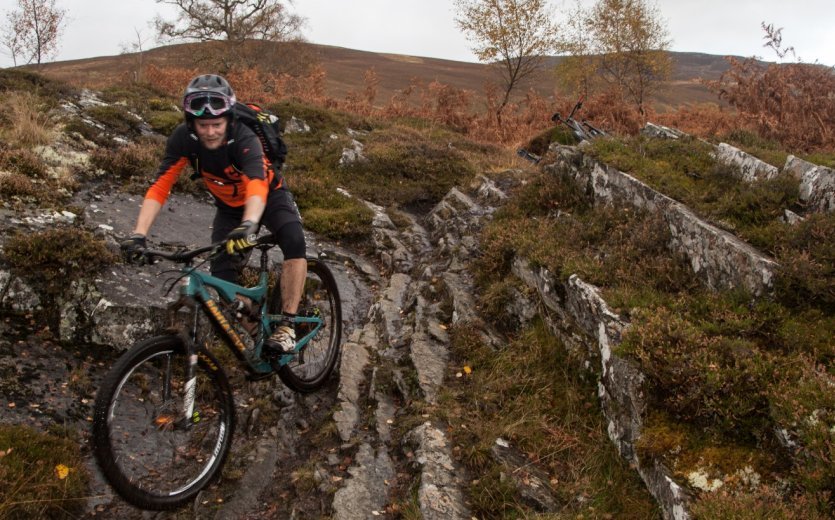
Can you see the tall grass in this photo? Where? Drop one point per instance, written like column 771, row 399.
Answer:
column 27, row 121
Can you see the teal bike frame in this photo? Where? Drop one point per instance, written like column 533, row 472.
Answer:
column 195, row 295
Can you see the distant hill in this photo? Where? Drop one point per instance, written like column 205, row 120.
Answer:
column 346, row 68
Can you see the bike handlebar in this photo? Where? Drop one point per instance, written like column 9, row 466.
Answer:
column 576, row 107
column 184, row 256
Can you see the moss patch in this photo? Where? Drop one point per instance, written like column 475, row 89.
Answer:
column 43, row 474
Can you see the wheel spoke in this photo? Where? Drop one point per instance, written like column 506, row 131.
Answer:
column 153, row 457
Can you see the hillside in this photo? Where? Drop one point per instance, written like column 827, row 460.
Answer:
column 346, row 68
column 492, row 314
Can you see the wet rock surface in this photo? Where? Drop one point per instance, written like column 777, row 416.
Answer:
column 336, row 452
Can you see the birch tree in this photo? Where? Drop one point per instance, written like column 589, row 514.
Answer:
column 623, row 42
column 32, row 30
column 514, row 36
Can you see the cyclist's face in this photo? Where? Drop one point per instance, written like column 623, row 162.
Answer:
column 211, row 132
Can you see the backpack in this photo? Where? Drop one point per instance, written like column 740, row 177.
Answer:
column 266, row 126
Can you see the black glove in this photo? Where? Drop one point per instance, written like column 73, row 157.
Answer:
column 133, row 249
column 242, row 237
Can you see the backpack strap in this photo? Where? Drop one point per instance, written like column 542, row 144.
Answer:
column 192, row 151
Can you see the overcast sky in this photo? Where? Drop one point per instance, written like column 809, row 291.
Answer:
column 426, row 27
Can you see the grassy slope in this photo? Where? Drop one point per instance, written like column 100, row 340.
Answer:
column 725, row 371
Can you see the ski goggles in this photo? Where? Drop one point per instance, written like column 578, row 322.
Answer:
column 198, row 103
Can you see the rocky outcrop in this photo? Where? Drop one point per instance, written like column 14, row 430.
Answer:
column 817, row 184
column 426, row 287
column 366, row 493
column 406, row 324
column 580, row 317
column 407, row 321
column 661, row 132
column 439, row 494
column 718, row 258
column 749, row 168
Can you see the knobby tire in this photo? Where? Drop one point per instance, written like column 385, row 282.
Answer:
column 148, row 459
column 310, row 369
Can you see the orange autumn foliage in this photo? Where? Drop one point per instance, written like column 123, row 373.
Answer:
column 787, row 103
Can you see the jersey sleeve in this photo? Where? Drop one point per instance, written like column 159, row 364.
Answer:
column 172, row 164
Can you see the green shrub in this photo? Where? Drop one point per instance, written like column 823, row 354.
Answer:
column 405, row 168
column 705, row 364
column 53, row 259
column 164, row 122
column 804, row 405
column 135, row 161
column 32, row 466
column 345, row 223
column 806, row 254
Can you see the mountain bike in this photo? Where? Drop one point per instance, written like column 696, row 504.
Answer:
column 582, row 130
column 165, row 414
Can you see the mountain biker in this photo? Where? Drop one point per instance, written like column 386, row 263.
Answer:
column 246, row 188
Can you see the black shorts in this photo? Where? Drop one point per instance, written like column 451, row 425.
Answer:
column 281, row 217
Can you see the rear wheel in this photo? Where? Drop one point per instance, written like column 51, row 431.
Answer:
column 314, row 363
column 149, row 454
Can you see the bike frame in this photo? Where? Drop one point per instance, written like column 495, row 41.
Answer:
column 195, row 295
column 582, row 130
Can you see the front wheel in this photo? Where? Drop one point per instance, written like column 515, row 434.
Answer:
column 150, row 454
column 313, row 364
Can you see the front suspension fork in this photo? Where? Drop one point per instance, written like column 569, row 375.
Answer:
column 187, row 414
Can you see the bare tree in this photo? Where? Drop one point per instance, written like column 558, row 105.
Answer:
column 33, row 30
column 233, row 23
column 230, row 20
column 136, row 46
column 10, row 39
column 513, row 35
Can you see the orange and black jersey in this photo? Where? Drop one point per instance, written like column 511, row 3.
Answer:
column 232, row 173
